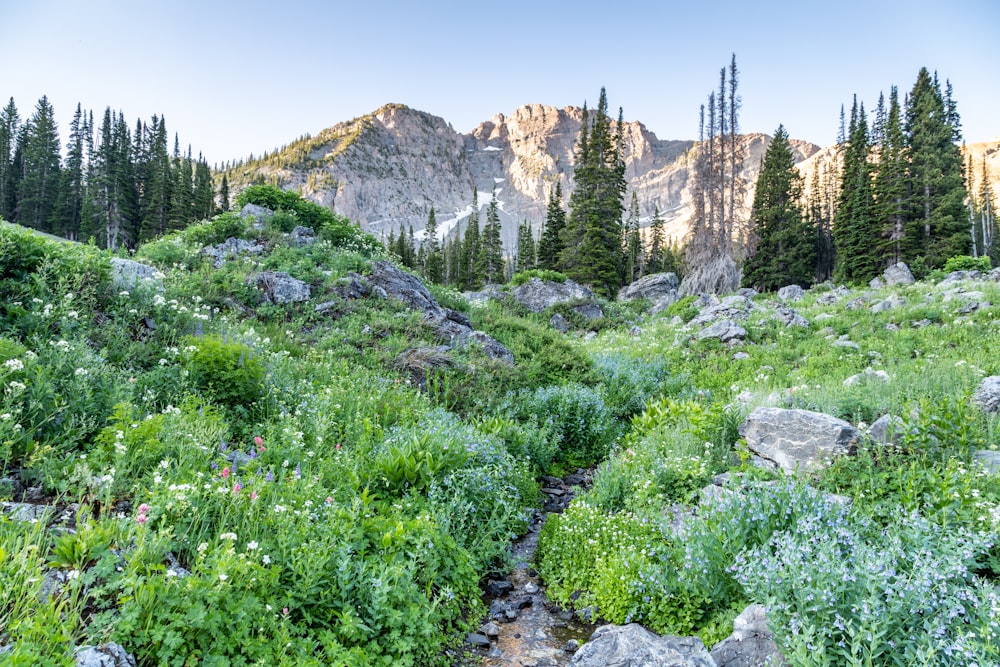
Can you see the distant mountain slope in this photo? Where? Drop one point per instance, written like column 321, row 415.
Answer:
column 388, row 168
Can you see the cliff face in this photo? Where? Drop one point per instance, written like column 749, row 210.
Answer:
column 387, row 169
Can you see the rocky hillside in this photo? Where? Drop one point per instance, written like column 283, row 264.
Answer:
column 390, row 167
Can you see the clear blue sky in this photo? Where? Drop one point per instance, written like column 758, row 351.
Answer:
column 233, row 78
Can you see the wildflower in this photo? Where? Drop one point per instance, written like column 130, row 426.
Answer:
column 252, row 545
column 337, row 447
column 202, row 547
column 267, row 561
column 16, row 386
column 141, row 519
column 228, row 536
column 144, row 509
column 81, row 371
column 269, row 477
column 14, row 364
column 285, row 611
column 236, row 487
column 223, row 577
column 329, row 500
column 253, row 495
column 257, row 440
column 225, row 473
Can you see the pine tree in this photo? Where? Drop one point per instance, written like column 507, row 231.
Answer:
column 223, row 195
column 471, row 245
column 634, row 259
column 491, row 260
column 550, row 243
column 10, row 123
column 593, row 253
column 857, row 228
column 890, row 180
column 786, row 243
column 936, row 228
column 182, row 194
column 40, row 169
column 433, row 259
column 204, row 193
column 70, row 206
column 160, row 181
column 657, row 245
column 525, row 259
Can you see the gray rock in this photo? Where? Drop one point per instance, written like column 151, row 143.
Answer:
column 10, row 487
column 279, row 287
column 888, row 304
column 492, row 347
column 537, row 295
column 887, row 429
column 589, row 311
column 127, row 274
column 724, row 330
column 26, row 512
column 559, row 323
column 634, row 646
column 959, row 276
column 490, row 629
column 790, row 318
column 404, row 287
column 635, row 331
column 259, row 214
column 987, row 395
column 868, row 375
column 353, row 286
column 988, row 460
column 653, row 287
column 490, row 291
column 105, row 655
column 876, row 283
column 747, row 292
column 477, row 640
column 303, row 236
column 791, row 293
column 798, row 440
column 231, row 247
column 751, row 644
column 663, row 303
column 733, row 307
column 898, row 274
column 498, row 587
column 844, row 342
column 740, row 356
column 994, row 275
column 919, row 324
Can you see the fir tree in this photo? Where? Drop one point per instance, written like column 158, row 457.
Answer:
column 204, row 193
column 223, row 195
column 40, row 169
column 593, row 235
column 491, row 260
column 550, row 243
column 786, row 243
column 890, row 179
column 433, row 259
column 633, row 243
column 525, row 259
column 856, row 228
column 471, row 278
column 70, row 206
column 657, row 246
column 10, row 122
column 936, row 228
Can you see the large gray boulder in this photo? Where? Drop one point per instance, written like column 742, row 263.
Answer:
column 733, row 307
column 987, row 395
column 798, row 440
column 105, row 655
column 652, row 287
column 231, row 247
column 127, row 274
column 751, row 644
column 279, row 287
column 258, row 213
column 725, row 330
column 791, row 293
column 887, row 429
column 790, row 318
column 634, row 646
column 988, row 460
column 537, row 295
column 898, row 274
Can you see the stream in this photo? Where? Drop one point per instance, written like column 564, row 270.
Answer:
column 524, row 628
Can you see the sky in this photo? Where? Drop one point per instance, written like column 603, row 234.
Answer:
column 235, row 78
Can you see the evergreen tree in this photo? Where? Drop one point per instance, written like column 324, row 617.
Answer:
column 633, row 243
column 490, row 259
column 159, row 186
column 890, row 180
column 204, row 193
column 786, row 243
column 936, row 228
column 224, row 195
column 984, row 221
column 10, row 123
column 471, row 278
column 550, row 244
column 182, row 194
column 433, row 259
column 657, row 246
column 525, row 259
column 856, row 228
column 592, row 253
column 70, row 206
column 40, row 169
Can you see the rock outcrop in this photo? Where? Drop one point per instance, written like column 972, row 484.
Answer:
column 987, row 395
column 537, row 295
column 798, row 440
column 751, row 644
column 279, row 287
column 634, row 646
column 127, row 274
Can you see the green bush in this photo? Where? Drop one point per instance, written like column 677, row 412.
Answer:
column 228, row 373
column 218, row 229
column 967, row 263
column 524, row 277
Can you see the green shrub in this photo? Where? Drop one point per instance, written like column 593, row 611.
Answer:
column 627, row 383
column 967, row 263
column 523, row 277
column 218, row 229
column 683, row 308
column 228, row 373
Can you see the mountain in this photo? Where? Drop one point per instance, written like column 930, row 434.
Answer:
column 388, row 168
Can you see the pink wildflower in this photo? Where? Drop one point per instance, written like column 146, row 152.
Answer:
column 236, row 487
column 141, row 519
column 329, row 500
column 257, row 440
column 253, row 495
column 144, row 509
column 285, row 611
column 337, row 447
column 224, row 474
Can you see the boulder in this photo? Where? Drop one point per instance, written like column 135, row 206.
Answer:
column 231, row 247
column 279, row 287
column 258, row 213
column 105, row 655
column 888, row 304
column 733, row 307
column 559, row 323
column 663, row 303
column 790, row 318
column 724, row 330
column 887, row 429
column 127, row 274
column 898, row 274
column 653, row 287
column 491, row 346
column 589, row 311
column 747, row 292
column 537, row 295
column 959, row 276
column 988, row 460
column 751, row 644
column 868, row 375
column 634, row 646
column 798, row 440
column 791, row 293
column 987, row 395
column 303, row 236
column 876, row 283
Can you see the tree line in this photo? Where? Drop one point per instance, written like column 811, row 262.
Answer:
column 117, row 185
